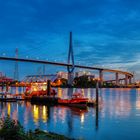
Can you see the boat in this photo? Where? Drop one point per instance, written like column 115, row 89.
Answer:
column 38, row 90
column 7, row 97
column 77, row 100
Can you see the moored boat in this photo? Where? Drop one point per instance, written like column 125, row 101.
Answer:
column 77, row 100
column 38, row 89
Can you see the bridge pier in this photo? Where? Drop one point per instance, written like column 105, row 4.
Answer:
column 101, row 77
column 126, row 80
column 130, row 80
column 70, row 78
column 117, row 78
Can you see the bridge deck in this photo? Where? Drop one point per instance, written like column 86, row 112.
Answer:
column 65, row 64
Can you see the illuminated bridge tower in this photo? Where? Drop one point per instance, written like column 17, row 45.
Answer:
column 70, row 60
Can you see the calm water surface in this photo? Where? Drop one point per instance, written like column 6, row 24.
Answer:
column 118, row 116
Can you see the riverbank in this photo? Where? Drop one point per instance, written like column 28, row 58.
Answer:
column 13, row 130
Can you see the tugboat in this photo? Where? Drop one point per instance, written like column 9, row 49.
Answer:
column 77, row 100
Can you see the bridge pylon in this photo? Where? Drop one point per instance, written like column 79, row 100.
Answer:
column 70, row 60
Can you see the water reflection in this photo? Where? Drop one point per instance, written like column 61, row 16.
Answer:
column 40, row 113
column 82, row 118
column 8, row 109
column 118, row 116
column 117, row 103
column 44, row 114
column 35, row 114
column 138, row 99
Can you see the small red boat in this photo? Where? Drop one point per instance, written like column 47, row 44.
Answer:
column 77, row 100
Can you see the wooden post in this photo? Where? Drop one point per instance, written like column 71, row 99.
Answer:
column 97, row 90
column 97, row 118
column 48, row 87
column 101, row 77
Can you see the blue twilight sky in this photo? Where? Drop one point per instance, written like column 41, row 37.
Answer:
column 105, row 32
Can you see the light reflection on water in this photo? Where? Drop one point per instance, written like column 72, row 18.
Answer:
column 119, row 115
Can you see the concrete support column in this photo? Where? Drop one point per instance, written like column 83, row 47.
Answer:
column 70, row 78
column 130, row 80
column 117, row 79
column 101, row 77
column 126, row 80
column 120, row 81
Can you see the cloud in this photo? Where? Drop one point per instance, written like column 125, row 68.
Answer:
column 105, row 32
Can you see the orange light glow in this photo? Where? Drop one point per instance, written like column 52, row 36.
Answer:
column 9, row 109
column 59, row 92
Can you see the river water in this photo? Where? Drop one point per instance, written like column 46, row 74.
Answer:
column 118, row 115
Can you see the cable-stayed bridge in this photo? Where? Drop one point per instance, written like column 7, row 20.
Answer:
column 128, row 75
column 70, row 65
